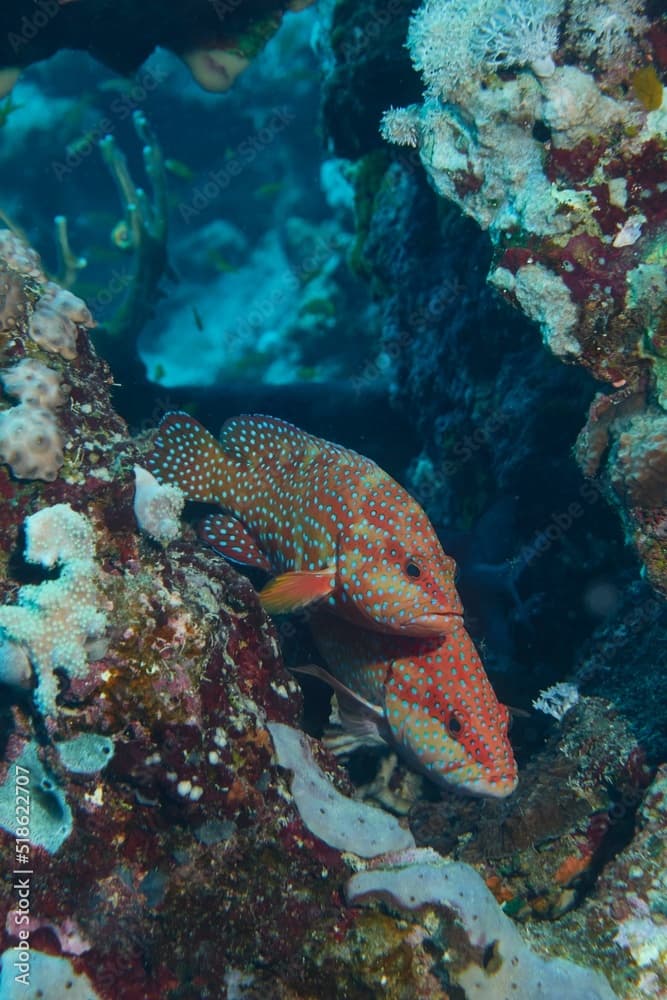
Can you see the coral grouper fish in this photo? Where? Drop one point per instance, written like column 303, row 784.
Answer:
column 430, row 698
column 329, row 522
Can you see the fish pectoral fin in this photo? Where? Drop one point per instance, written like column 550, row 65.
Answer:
column 342, row 690
column 297, row 589
column 358, row 716
column 343, row 743
column 362, row 718
column 232, row 540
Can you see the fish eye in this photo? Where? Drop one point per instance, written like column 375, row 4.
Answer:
column 454, row 725
column 412, row 569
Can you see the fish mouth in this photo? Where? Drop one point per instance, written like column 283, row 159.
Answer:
column 437, row 623
column 457, row 778
column 501, row 788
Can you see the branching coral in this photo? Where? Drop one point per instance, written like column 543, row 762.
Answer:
column 146, row 221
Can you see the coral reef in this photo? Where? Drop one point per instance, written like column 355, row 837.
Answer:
column 164, row 855
column 146, row 715
column 638, row 919
column 497, row 416
column 53, row 324
column 546, row 125
column 31, row 441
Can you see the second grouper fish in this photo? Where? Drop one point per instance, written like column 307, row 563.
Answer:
column 334, row 526
column 430, row 698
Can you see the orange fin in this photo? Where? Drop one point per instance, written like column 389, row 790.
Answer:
column 297, row 589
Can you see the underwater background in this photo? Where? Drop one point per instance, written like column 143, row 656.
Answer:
column 432, row 233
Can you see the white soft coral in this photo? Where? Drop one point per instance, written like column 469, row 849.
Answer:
column 439, row 42
column 520, row 33
column 59, row 624
column 606, row 31
column 453, row 42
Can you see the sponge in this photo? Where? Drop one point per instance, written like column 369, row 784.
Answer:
column 495, row 962
column 31, row 442
column 34, row 383
column 48, row 976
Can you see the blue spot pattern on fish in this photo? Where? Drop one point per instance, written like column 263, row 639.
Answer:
column 329, row 522
column 430, row 698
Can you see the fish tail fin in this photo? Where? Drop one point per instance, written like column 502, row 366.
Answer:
column 186, row 455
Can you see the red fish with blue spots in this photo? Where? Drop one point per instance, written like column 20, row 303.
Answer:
column 332, row 526
column 429, row 698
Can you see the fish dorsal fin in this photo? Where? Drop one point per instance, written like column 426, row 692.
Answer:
column 255, row 439
column 186, row 455
column 228, row 536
